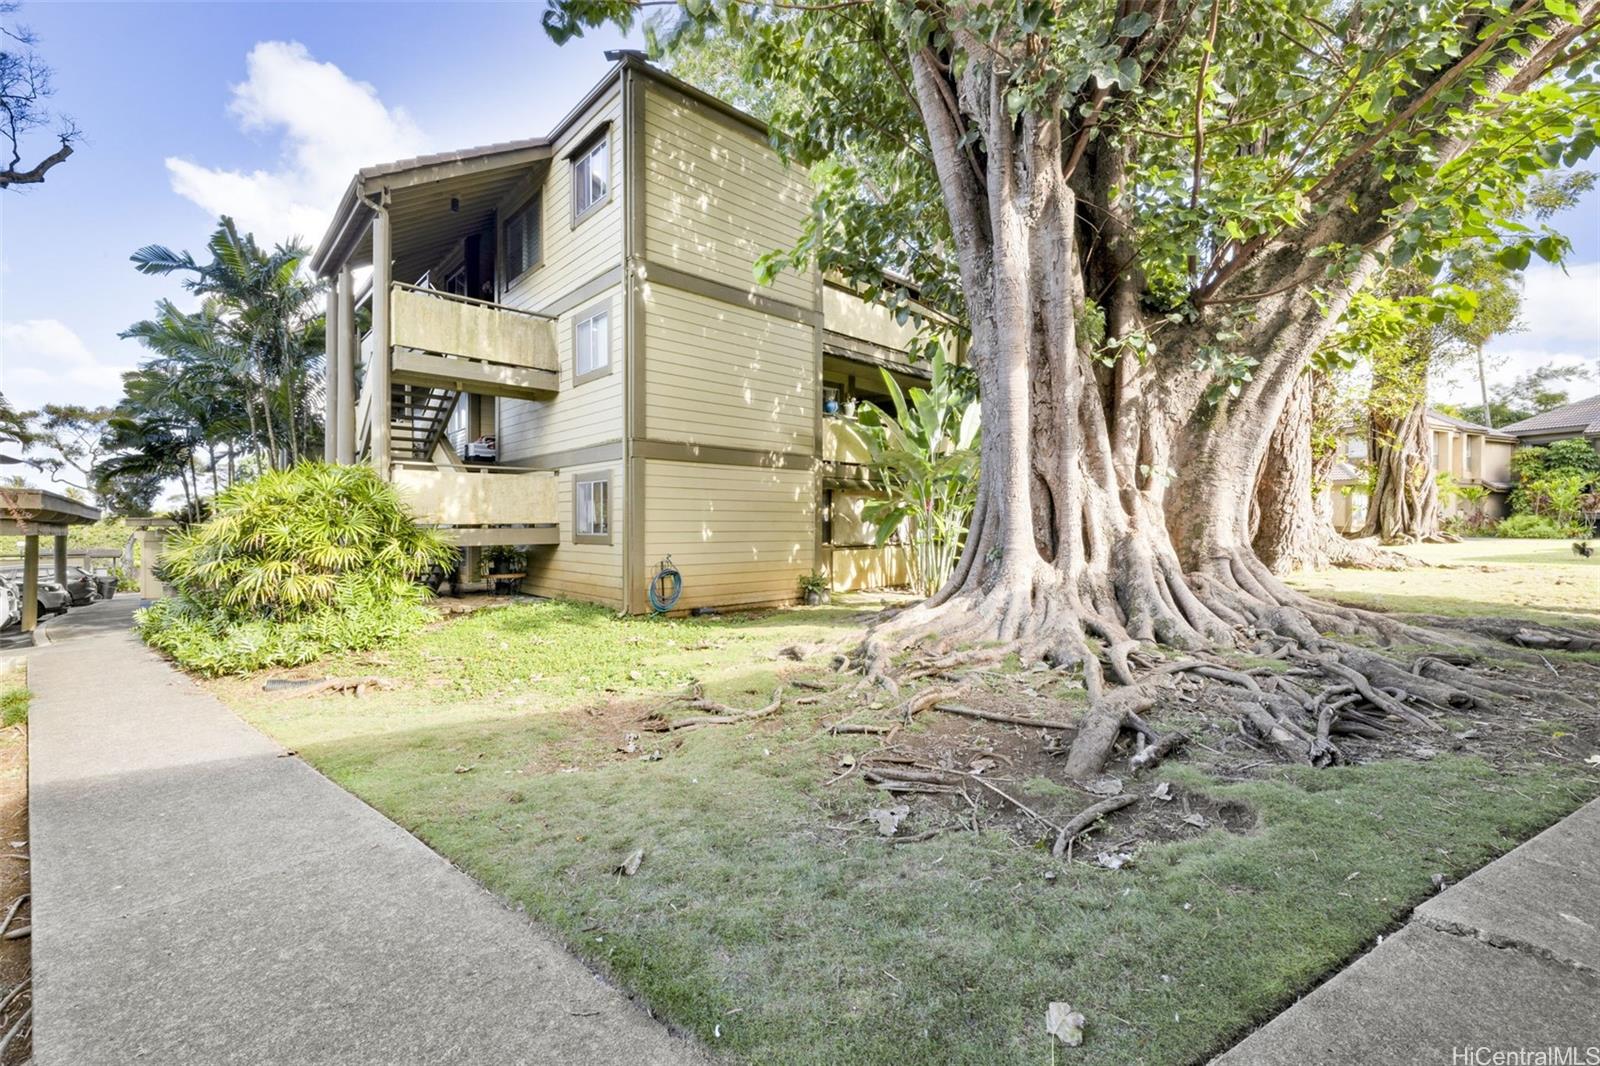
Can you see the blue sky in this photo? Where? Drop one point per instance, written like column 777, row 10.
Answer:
column 266, row 109
column 258, row 109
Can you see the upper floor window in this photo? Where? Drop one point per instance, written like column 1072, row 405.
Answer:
column 591, row 177
column 522, row 240
column 591, row 344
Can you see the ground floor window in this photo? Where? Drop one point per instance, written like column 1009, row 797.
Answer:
column 591, row 508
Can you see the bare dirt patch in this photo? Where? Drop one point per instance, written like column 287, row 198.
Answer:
column 16, row 956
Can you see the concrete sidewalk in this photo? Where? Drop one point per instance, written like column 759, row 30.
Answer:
column 1507, row 960
column 201, row 898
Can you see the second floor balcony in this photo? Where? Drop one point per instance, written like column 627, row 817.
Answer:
column 441, row 339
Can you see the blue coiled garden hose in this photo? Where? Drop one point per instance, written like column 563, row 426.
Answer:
column 665, row 587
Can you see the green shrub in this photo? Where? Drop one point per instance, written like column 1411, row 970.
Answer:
column 292, row 566
column 1534, row 526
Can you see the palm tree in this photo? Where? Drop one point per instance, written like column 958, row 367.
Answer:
column 261, row 319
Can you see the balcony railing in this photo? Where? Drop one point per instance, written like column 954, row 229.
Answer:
column 481, row 496
column 444, row 324
column 842, row 443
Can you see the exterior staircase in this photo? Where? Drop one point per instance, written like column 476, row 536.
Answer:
column 418, row 415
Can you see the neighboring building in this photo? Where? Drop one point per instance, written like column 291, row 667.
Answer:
column 1470, row 453
column 588, row 299
column 1579, row 420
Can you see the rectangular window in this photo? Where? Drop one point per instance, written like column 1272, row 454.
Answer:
column 591, row 345
column 591, row 177
column 522, row 241
column 591, row 508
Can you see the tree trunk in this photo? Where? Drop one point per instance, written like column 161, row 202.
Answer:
column 1404, row 508
column 1114, row 505
column 1115, row 499
column 1483, row 391
column 1293, row 526
column 1290, row 534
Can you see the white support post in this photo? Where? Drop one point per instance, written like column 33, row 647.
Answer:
column 378, row 372
column 346, row 447
column 330, row 378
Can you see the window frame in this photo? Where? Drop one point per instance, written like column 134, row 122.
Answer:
column 580, row 156
column 589, row 314
column 593, row 477
column 534, row 204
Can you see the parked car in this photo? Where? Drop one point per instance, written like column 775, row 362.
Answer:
column 81, row 586
column 10, row 605
column 53, row 599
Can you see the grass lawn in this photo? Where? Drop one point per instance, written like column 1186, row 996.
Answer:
column 770, row 921
column 1541, row 580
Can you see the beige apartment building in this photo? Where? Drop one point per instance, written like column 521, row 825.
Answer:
column 1469, row 453
column 587, row 299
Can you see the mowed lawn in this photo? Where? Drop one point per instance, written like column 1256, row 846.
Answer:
column 769, row 920
column 1541, row 580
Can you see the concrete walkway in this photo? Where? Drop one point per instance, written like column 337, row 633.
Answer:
column 201, row 898
column 1507, row 960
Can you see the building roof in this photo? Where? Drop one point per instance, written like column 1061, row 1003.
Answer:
column 1581, row 417
column 1451, row 421
column 1343, row 473
column 426, row 190
column 35, row 511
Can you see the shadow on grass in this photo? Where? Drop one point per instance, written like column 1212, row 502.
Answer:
column 1462, row 606
column 765, row 911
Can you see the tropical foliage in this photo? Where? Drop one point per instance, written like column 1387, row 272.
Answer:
column 926, row 456
column 231, row 388
column 1559, row 482
column 292, row 565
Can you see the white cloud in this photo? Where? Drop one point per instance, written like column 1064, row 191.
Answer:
column 1561, row 325
column 43, row 361
column 330, row 125
column 1561, row 308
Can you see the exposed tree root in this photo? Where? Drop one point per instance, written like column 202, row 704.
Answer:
column 1086, row 818
column 724, row 715
column 1007, row 719
column 1113, row 631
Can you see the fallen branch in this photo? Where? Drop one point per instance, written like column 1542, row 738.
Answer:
column 918, row 838
column 1087, row 817
column 1018, row 804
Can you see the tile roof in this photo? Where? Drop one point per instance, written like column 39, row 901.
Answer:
column 1462, row 423
column 1580, row 416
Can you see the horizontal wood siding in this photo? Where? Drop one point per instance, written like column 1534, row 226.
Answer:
column 590, row 413
column 740, row 535
column 579, row 415
column 723, row 375
column 717, row 198
column 573, row 254
column 589, row 572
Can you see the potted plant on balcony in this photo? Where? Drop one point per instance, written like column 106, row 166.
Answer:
column 814, row 588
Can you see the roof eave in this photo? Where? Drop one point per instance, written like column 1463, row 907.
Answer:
column 351, row 206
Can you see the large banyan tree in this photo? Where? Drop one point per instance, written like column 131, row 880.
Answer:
column 1149, row 212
